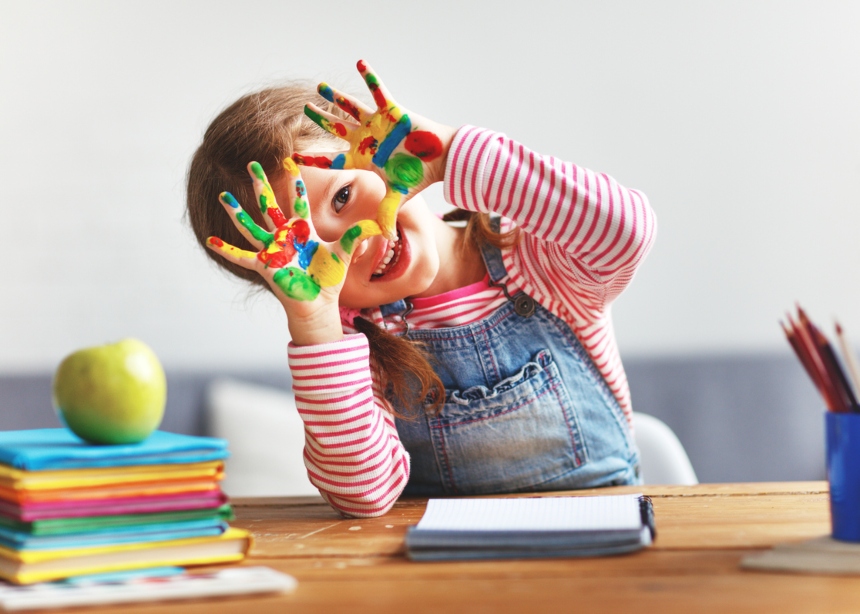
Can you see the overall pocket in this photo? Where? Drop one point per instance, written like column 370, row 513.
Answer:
column 522, row 432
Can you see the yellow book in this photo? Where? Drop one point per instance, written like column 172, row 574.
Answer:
column 19, row 479
column 46, row 565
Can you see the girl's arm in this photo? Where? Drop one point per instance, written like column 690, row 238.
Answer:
column 584, row 231
column 352, row 451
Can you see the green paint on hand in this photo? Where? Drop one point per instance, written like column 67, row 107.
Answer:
column 301, row 208
column 258, row 233
column 257, row 169
column 347, row 241
column 296, row 284
column 314, row 116
column 404, row 172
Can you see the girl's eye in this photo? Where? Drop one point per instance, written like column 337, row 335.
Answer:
column 341, row 198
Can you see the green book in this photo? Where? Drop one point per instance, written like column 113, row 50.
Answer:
column 64, row 526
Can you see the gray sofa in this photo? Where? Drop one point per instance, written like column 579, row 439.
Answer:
column 753, row 417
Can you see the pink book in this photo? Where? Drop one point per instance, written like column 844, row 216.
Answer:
column 45, row 510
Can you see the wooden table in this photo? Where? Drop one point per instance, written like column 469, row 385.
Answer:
column 702, row 533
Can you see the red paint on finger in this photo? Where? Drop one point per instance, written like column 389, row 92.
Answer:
column 340, row 129
column 424, row 145
column 277, row 216
column 317, row 161
column 362, row 67
column 215, row 241
column 378, row 97
column 348, row 107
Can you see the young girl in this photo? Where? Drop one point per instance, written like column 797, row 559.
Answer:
column 526, row 390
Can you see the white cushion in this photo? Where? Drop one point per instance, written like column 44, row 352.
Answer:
column 266, row 437
column 662, row 457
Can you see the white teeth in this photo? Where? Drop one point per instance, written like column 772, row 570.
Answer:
column 388, row 256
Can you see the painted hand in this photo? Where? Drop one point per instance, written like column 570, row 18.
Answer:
column 406, row 150
column 292, row 259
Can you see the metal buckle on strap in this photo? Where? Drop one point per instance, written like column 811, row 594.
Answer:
column 409, row 308
column 524, row 305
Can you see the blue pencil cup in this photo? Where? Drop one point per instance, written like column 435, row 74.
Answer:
column 843, row 473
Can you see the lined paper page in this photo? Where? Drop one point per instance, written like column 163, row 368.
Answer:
column 606, row 512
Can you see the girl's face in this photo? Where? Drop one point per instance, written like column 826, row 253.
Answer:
column 340, row 198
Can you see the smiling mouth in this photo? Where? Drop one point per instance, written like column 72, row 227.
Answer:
column 392, row 255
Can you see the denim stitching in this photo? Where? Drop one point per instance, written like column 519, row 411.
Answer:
column 526, row 401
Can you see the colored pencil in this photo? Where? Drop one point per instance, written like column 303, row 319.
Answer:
column 822, row 363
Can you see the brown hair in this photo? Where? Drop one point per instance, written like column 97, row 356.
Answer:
column 268, row 126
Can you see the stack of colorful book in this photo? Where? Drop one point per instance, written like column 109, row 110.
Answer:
column 68, row 508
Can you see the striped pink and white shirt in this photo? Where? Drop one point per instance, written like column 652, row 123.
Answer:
column 583, row 237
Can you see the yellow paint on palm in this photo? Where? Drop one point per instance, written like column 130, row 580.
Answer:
column 326, row 268
column 365, row 140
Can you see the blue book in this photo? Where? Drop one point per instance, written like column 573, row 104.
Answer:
column 123, row 535
column 46, row 449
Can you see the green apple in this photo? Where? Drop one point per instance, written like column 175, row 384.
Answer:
column 112, row 393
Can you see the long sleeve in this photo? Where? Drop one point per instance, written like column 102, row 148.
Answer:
column 352, row 451
column 584, row 233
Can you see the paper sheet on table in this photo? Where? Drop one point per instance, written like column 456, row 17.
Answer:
column 608, row 512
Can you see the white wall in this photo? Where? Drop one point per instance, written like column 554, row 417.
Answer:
column 740, row 120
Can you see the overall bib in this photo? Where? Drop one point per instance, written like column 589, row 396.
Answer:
column 525, row 408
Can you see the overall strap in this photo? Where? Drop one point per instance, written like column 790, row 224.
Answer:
column 493, row 255
column 393, row 308
column 524, row 305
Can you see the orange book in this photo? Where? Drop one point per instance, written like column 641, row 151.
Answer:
column 142, row 489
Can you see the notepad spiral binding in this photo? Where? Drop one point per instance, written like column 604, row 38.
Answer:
column 646, row 508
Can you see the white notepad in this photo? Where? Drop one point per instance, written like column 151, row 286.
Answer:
column 462, row 529
column 610, row 512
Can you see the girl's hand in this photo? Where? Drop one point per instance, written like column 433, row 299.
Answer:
column 305, row 273
column 408, row 151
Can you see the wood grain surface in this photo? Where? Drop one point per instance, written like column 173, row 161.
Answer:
column 703, row 531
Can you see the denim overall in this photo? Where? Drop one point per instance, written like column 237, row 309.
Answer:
column 525, row 408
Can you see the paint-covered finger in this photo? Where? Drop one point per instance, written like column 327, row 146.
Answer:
column 387, row 214
column 242, row 257
column 266, row 196
column 257, row 236
column 298, row 195
column 335, row 160
column 346, row 103
column 328, row 122
column 381, row 97
column 355, row 235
